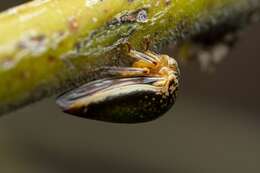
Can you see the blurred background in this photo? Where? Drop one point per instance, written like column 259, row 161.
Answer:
column 213, row 128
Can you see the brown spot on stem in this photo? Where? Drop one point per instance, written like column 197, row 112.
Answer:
column 73, row 24
column 51, row 59
column 7, row 63
column 106, row 10
column 24, row 75
column 139, row 16
column 168, row 2
column 33, row 40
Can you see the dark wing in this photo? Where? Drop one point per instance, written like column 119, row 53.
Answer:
column 101, row 89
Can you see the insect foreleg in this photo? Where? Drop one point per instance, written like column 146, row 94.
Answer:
column 127, row 71
column 141, row 56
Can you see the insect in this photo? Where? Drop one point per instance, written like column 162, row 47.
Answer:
column 137, row 94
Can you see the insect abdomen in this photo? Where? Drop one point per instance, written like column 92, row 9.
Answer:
column 140, row 106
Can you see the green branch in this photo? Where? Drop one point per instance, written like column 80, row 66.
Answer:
column 51, row 45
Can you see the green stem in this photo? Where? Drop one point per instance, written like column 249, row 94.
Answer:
column 50, row 45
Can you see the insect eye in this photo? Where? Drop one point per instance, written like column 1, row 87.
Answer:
column 172, row 62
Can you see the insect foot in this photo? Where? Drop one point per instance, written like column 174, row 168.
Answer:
column 136, row 94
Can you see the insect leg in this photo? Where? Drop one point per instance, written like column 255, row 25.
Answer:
column 127, row 71
column 141, row 56
column 152, row 55
column 150, row 61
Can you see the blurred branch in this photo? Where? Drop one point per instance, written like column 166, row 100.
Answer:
column 51, row 45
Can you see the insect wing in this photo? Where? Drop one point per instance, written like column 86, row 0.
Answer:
column 121, row 100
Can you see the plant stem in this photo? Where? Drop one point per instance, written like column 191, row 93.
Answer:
column 48, row 46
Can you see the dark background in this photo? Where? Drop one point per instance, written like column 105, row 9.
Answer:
column 213, row 128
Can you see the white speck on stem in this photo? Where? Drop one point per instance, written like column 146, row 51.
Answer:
column 94, row 19
column 24, row 18
column 39, row 2
column 142, row 16
column 12, row 11
column 157, row 3
column 90, row 3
